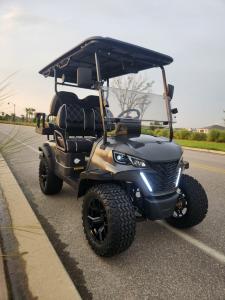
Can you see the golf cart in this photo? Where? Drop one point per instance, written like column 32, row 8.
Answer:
column 96, row 145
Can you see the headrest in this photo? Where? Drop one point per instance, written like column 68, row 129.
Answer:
column 61, row 98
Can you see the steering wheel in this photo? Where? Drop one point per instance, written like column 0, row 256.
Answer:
column 127, row 111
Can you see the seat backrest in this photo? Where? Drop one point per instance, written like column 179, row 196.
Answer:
column 59, row 99
column 92, row 109
column 81, row 118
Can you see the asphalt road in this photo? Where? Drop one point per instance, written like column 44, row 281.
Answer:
column 160, row 264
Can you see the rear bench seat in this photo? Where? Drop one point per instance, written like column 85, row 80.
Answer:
column 78, row 124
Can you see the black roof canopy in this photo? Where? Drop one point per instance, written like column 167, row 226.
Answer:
column 116, row 58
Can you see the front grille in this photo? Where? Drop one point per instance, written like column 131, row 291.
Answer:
column 164, row 178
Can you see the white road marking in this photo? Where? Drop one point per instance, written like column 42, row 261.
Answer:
column 19, row 141
column 220, row 257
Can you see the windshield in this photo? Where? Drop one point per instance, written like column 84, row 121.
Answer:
column 150, row 108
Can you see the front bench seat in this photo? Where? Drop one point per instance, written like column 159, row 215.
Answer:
column 73, row 145
column 79, row 145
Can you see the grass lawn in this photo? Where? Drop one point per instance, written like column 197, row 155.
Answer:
column 202, row 145
column 18, row 123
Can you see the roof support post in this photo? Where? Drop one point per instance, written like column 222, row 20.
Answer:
column 168, row 103
column 55, row 78
column 101, row 100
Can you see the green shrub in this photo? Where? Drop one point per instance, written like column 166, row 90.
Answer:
column 213, row 135
column 165, row 132
column 198, row 136
column 144, row 130
column 221, row 138
column 176, row 134
column 162, row 132
column 182, row 134
column 147, row 131
column 159, row 132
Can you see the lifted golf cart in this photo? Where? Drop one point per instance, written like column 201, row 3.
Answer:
column 98, row 148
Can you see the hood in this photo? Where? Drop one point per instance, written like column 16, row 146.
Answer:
column 147, row 147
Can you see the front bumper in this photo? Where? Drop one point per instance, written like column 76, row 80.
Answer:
column 158, row 208
column 154, row 206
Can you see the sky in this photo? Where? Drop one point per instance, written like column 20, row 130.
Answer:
column 33, row 33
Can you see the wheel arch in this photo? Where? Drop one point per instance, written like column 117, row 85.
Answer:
column 47, row 152
column 86, row 184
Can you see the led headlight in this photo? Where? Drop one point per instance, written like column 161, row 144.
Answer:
column 121, row 158
column 125, row 159
column 178, row 177
column 136, row 162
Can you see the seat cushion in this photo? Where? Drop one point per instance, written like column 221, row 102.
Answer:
column 78, row 145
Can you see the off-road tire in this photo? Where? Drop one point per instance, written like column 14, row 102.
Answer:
column 120, row 218
column 53, row 183
column 197, row 203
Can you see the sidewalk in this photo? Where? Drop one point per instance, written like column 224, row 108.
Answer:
column 33, row 267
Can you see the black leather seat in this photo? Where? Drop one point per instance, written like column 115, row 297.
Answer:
column 60, row 99
column 79, row 145
column 78, row 118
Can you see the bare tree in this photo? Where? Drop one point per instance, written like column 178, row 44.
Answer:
column 132, row 92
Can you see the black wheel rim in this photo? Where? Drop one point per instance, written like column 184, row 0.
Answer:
column 97, row 220
column 43, row 175
column 181, row 206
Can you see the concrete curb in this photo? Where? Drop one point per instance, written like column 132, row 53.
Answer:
column 204, row 150
column 3, row 285
column 46, row 276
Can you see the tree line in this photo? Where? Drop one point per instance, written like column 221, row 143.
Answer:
column 28, row 116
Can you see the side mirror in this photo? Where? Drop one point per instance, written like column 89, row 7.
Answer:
column 170, row 90
column 174, row 111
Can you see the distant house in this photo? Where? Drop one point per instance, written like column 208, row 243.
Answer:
column 202, row 130
column 206, row 129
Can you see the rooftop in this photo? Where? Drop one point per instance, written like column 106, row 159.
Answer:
column 116, row 58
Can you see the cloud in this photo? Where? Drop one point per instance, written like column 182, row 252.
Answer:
column 16, row 17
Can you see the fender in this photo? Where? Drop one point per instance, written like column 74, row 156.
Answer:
column 88, row 179
column 48, row 153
